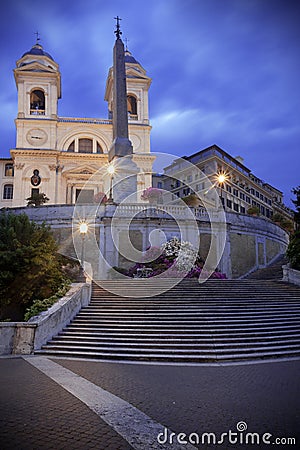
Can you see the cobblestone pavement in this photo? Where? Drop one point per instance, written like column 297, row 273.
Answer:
column 36, row 413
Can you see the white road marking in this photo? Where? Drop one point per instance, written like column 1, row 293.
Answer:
column 138, row 429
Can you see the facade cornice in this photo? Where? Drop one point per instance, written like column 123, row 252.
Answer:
column 33, row 152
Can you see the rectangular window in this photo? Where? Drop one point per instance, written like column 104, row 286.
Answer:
column 235, row 192
column 236, row 207
column 9, row 170
column 229, row 203
column 85, row 146
column 248, row 200
column 159, row 184
column 242, row 196
column 257, row 194
column 35, row 191
column 8, row 192
column 243, row 210
column 228, row 188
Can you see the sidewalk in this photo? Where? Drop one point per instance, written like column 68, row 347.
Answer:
column 37, row 413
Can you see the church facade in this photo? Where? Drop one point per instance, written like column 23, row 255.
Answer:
column 56, row 155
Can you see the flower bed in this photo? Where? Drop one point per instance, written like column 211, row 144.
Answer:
column 151, row 194
column 174, row 259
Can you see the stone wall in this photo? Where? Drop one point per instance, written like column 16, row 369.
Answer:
column 243, row 254
column 251, row 242
column 291, row 275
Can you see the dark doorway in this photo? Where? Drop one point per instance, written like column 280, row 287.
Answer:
column 84, row 196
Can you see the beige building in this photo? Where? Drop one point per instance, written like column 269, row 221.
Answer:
column 239, row 190
column 57, row 155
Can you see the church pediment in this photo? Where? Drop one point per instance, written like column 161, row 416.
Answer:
column 135, row 73
column 81, row 170
column 36, row 67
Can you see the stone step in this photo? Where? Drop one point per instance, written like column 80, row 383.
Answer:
column 166, row 344
column 134, row 335
column 177, row 349
column 102, row 315
column 191, row 329
column 171, row 357
column 179, row 322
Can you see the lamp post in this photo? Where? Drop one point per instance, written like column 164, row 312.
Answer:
column 221, row 181
column 83, row 229
column 111, row 171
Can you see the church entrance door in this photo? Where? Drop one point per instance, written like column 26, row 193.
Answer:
column 84, row 196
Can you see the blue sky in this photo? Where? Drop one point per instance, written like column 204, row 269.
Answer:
column 224, row 72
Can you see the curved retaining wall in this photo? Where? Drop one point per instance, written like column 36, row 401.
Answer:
column 251, row 242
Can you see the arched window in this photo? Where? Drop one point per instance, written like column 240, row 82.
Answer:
column 9, row 170
column 132, row 106
column 8, row 191
column 71, row 147
column 37, row 102
column 99, row 149
column 85, row 146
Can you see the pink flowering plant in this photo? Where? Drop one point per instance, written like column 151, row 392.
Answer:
column 100, row 198
column 174, row 259
column 151, row 193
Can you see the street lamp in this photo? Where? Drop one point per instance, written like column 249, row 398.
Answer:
column 221, row 177
column 83, row 229
column 111, row 171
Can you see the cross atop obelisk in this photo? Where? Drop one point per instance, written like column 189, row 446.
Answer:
column 121, row 145
column 118, row 31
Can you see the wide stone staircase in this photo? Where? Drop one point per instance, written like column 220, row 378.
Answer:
column 272, row 272
column 220, row 320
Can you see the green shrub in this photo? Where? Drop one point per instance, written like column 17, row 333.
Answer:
column 253, row 211
column 293, row 251
column 39, row 306
column 29, row 266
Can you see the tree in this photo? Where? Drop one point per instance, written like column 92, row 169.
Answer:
column 296, row 192
column 253, row 211
column 287, row 225
column 29, row 268
column 293, row 251
column 37, row 199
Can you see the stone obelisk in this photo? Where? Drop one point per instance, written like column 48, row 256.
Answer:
column 121, row 151
column 121, row 145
